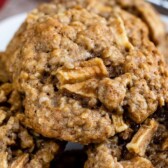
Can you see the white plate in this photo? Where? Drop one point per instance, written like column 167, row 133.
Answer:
column 9, row 26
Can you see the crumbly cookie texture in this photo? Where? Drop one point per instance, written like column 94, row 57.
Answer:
column 76, row 69
column 149, row 15
column 139, row 8
column 19, row 146
column 108, row 154
column 143, row 146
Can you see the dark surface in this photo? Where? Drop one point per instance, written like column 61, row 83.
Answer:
column 70, row 159
column 162, row 10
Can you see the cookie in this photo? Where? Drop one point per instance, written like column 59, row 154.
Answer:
column 142, row 146
column 77, row 69
column 103, row 8
column 19, row 146
column 151, row 18
column 141, row 9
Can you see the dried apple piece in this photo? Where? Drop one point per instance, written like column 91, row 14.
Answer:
column 152, row 19
column 82, row 71
column 165, row 144
column 120, row 33
column 113, row 56
column 3, row 160
column 137, row 162
column 20, row 162
column 119, row 123
column 11, row 126
column 142, row 138
column 87, row 88
column 111, row 92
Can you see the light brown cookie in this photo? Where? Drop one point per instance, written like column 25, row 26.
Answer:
column 149, row 15
column 77, row 70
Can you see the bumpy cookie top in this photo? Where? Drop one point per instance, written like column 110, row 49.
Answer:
column 139, row 8
column 77, row 70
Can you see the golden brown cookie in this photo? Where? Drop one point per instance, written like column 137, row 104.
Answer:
column 19, row 146
column 149, row 15
column 77, row 70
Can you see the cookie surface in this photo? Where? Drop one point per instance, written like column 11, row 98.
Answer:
column 77, row 70
column 142, row 146
column 141, row 9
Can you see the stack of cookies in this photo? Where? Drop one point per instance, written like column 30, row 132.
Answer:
column 88, row 72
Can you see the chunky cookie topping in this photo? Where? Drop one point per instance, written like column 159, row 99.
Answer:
column 77, row 69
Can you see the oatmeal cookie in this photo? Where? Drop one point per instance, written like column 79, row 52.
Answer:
column 141, row 146
column 151, row 18
column 135, row 28
column 139, row 8
column 19, row 146
column 80, row 71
